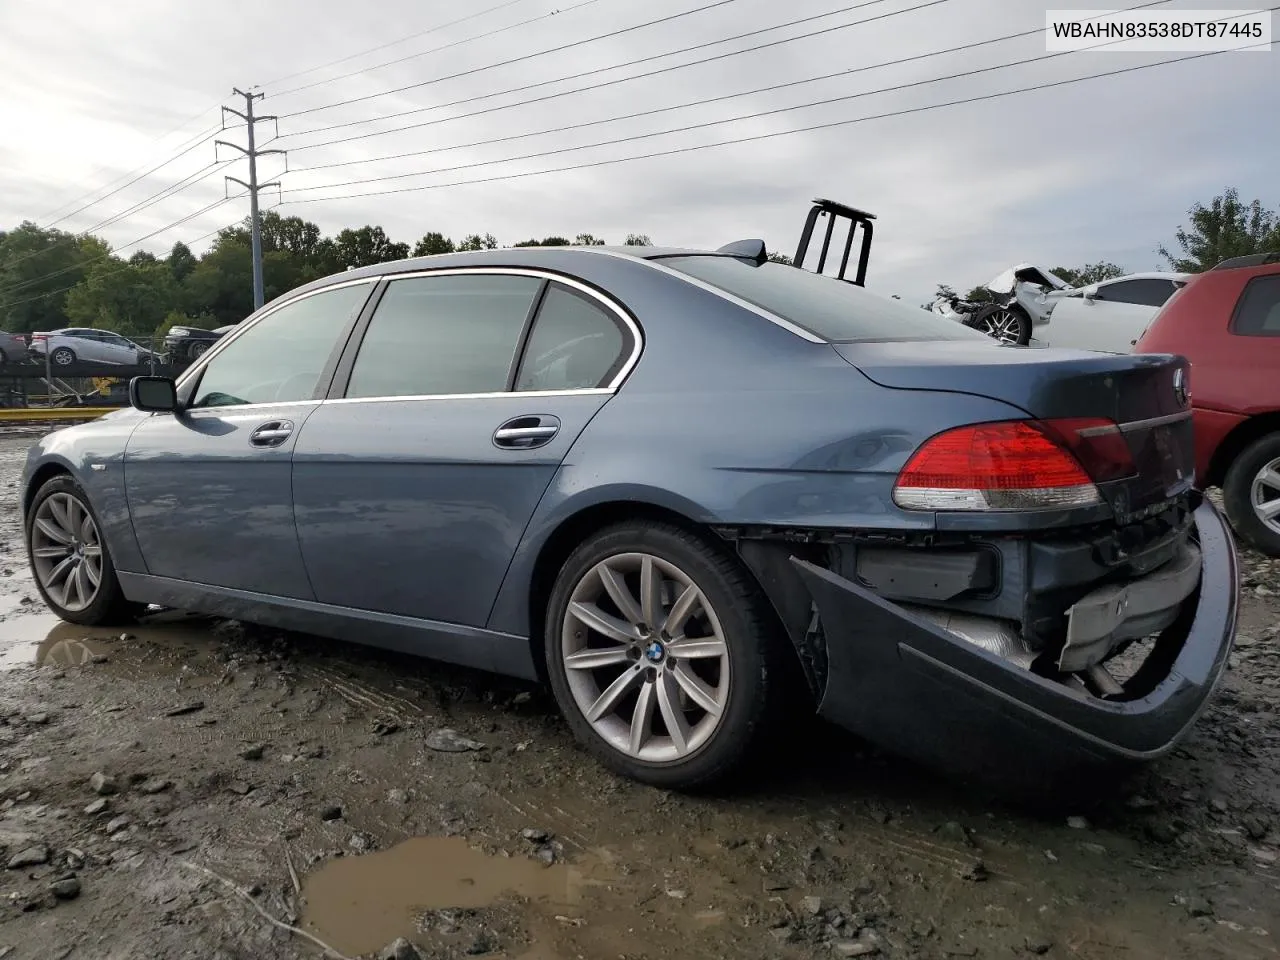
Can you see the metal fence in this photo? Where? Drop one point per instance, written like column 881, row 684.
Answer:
column 37, row 381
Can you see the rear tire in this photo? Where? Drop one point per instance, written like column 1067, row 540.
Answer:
column 65, row 544
column 63, row 357
column 1251, row 485
column 718, row 694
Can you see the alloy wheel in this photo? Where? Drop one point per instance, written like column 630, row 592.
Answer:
column 66, row 551
column 645, row 657
column 1264, row 495
column 1001, row 325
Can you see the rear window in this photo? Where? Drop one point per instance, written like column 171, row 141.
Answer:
column 1258, row 312
column 832, row 309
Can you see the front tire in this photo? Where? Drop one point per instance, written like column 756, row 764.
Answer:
column 70, row 560
column 1251, row 494
column 662, row 653
column 1005, row 324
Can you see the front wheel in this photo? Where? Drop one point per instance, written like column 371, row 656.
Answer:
column 69, row 557
column 662, row 653
column 1251, row 494
column 1006, row 324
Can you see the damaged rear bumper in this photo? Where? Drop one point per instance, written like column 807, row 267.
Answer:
column 916, row 689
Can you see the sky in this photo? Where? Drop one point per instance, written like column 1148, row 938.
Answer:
column 1105, row 169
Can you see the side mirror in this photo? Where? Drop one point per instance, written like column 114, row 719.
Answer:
column 1088, row 294
column 153, row 394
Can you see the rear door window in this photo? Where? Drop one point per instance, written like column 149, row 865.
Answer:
column 574, row 344
column 1147, row 292
column 835, row 310
column 1258, row 312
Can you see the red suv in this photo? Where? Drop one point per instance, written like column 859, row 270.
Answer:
column 1226, row 322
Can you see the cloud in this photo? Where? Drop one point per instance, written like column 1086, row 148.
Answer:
column 1103, row 169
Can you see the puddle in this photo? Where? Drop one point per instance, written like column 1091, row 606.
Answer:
column 360, row 904
column 37, row 636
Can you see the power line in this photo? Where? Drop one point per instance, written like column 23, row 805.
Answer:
column 124, row 175
column 390, row 43
column 758, row 137
column 444, row 46
column 513, row 60
column 632, row 138
column 143, row 204
column 98, row 259
column 599, row 70
column 709, row 100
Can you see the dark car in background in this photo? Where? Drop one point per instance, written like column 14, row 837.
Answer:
column 186, row 344
column 13, row 348
column 1226, row 322
column 670, row 483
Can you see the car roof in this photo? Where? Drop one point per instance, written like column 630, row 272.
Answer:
column 1150, row 275
column 514, row 257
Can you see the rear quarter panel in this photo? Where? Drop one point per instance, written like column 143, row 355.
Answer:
column 734, row 420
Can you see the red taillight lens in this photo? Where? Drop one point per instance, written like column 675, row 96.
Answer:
column 1010, row 465
column 1098, row 444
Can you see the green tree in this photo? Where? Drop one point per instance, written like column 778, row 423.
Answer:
column 477, row 242
column 545, row 242
column 432, row 244
column 222, row 283
column 637, row 240
column 1223, row 229
column 587, row 240
column 1090, row 273
column 366, row 246
column 130, row 298
column 181, row 261
column 38, row 268
column 781, row 258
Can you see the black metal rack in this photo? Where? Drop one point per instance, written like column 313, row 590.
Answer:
column 834, row 211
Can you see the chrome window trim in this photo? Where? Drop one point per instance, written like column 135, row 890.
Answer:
column 248, row 324
column 585, row 392
column 712, row 288
column 607, row 303
column 237, row 407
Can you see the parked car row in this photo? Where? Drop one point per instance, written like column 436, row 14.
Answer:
column 70, row 345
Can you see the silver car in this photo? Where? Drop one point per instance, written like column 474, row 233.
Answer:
column 71, row 344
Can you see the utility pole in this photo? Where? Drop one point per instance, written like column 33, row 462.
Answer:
column 253, row 153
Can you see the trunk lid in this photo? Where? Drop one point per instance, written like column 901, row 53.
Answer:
column 1147, row 395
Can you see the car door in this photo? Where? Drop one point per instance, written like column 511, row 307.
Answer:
column 123, row 350
column 1110, row 320
column 414, row 483
column 209, row 487
column 83, row 343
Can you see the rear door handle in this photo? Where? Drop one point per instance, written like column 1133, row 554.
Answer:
column 525, row 433
column 272, row 433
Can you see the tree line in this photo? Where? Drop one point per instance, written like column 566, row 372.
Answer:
column 50, row 278
column 1225, row 227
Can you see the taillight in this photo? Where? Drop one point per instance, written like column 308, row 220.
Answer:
column 1014, row 465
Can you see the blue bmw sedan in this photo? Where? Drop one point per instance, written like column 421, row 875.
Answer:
column 692, row 491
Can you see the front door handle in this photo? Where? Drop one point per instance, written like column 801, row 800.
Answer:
column 272, row 433
column 525, row 433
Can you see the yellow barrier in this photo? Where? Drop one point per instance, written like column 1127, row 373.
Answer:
column 25, row 414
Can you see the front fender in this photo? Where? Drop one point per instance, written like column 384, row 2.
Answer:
column 92, row 453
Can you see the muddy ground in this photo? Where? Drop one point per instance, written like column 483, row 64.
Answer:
column 251, row 780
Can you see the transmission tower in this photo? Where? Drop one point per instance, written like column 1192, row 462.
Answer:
column 253, row 153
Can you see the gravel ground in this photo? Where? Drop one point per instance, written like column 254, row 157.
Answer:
column 192, row 787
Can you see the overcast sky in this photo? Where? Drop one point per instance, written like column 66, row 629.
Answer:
column 1102, row 169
